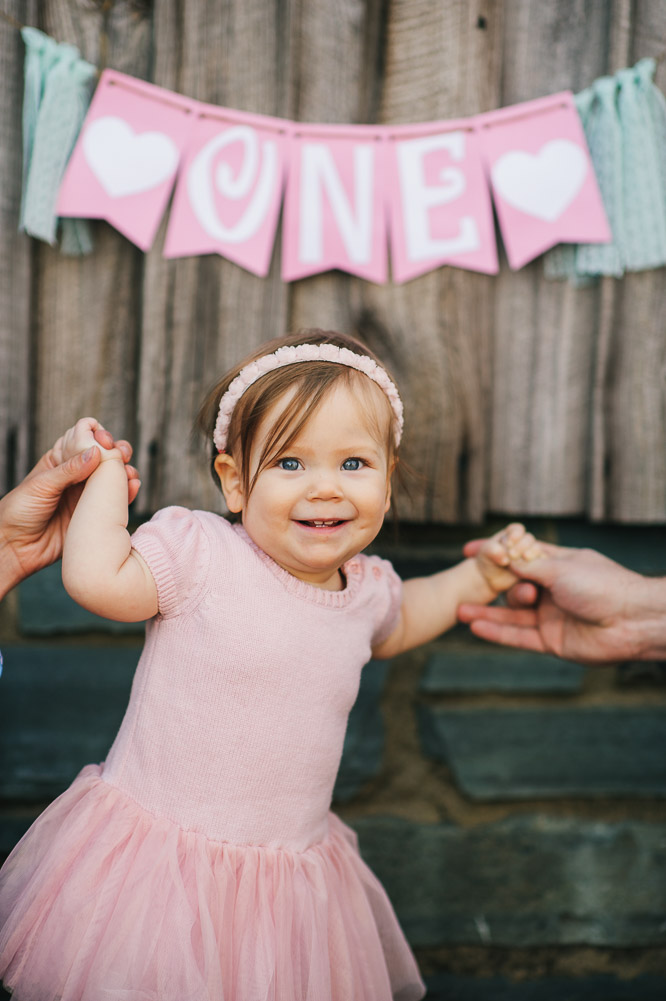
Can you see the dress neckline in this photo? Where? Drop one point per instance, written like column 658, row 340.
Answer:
column 351, row 570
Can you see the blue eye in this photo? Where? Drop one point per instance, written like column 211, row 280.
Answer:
column 350, row 465
column 291, row 465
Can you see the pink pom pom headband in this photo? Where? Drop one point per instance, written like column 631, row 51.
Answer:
column 291, row 355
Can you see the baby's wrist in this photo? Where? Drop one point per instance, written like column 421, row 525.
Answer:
column 488, row 572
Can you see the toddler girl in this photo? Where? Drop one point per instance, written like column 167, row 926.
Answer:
column 200, row 862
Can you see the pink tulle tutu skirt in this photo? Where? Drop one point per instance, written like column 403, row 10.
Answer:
column 101, row 901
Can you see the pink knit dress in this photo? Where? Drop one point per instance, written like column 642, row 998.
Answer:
column 200, row 862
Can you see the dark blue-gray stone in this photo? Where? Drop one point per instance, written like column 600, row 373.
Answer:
column 12, row 829
column 497, row 754
column 45, row 609
column 639, row 547
column 364, row 740
column 495, row 670
column 525, row 881
column 449, row 987
column 60, row 709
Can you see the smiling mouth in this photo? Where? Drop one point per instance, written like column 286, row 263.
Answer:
column 321, row 523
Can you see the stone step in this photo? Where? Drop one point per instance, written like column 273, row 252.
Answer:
column 363, row 749
column 521, row 882
column 61, row 708
column 448, row 987
column 496, row 670
column 534, row 753
column 45, row 609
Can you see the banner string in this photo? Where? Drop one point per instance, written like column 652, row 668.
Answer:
column 11, row 20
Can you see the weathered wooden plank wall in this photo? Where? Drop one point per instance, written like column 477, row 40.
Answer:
column 15, row 354
column 523, row 396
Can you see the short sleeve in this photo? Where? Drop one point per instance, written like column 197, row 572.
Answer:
column 176, row 548
column 390, row 588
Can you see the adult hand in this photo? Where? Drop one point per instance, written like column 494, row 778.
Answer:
column 588, row 609
column 35, row 515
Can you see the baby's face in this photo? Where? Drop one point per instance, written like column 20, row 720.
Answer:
column 324, row 499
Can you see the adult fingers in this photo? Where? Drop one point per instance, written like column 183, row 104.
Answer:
column 54, row 481
column 521, row 617
column 102, row 436
column 133, row 482
column 523, row 594
column 125, row 448
column 508, row 635
column 133, row 487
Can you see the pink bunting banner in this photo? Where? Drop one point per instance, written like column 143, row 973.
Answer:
column 348, row 190
column 334, row 215
column 544, row 187
column 230, row 189
column 438, row 201
column 125, row 162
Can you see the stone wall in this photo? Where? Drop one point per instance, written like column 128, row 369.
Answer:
column 514, row 806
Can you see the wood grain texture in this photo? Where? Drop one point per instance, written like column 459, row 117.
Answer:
column 634, row 376
column 523, row 396
column 200, row 315
column 440, row 63
column 87, row 310
column 15, row 279
column 546, row 333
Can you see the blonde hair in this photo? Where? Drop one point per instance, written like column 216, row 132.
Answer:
column 311, row 382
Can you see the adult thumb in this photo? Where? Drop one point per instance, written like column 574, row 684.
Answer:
column 74, row 470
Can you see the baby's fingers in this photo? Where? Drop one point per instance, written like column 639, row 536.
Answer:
column 526, row 548
column 511, row 535
column 495, row 550
column 500, row 547
column 81, row 436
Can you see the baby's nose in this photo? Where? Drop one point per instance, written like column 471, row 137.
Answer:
column 324, row 483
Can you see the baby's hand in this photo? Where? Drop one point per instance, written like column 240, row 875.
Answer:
column 89, row 433
column 86, row 433
column 495, row 554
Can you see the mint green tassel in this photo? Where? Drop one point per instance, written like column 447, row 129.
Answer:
column 41, row 54
column 644, row 149
column 624, row 119
column 604, row 137
column 58, row 88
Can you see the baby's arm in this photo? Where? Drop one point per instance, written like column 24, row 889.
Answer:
column 429, row 604
column 100, row 570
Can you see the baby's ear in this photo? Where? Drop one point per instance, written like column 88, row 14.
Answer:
column 230, row 481
column 391, row 471
column 388, row 497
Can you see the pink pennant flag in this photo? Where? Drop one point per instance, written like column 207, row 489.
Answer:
column 334, row 215
column 439, row 203
column 126, row 158
column 230, row 189
column 542, row 178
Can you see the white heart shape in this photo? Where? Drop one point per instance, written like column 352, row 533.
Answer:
column 125, row 162
column 542, row 185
